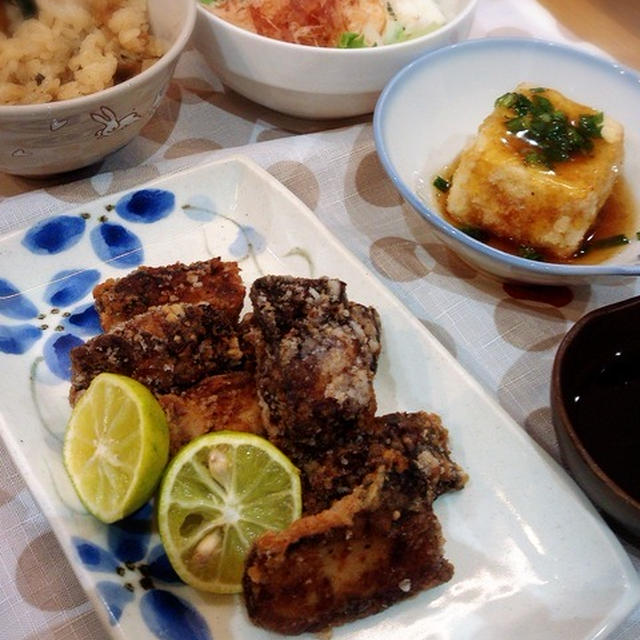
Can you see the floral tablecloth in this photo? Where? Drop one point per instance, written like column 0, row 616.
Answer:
column 505, row 336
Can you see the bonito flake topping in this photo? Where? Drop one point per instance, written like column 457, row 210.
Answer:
column 333, row 23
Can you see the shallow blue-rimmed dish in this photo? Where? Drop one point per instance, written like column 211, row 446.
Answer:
column 433, row 106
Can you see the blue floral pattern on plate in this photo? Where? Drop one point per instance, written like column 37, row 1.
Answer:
column 133, row 570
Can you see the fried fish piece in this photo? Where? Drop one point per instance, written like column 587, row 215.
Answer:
column 224, row 401
column 379, row 543
column 316, row 354
column 166, row 348
column 417, row 443
column 212, row 281
column 372, row 548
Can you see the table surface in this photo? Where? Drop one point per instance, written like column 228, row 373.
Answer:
column 613, row 26
column 505, row 337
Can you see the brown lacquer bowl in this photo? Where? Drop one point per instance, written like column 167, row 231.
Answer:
column 595, row 401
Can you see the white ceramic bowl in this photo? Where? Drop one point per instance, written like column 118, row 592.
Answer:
column 315, row 82
column 44, row 139
column 432, row 108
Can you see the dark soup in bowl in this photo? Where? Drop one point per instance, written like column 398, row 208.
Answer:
column 595, row 398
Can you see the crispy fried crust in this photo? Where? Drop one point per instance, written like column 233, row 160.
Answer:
column 212, row 281
column 369, row 550
column 225, row 401
column 369, row 536
column 316, row 355
column 167, row 348
column 416, row 443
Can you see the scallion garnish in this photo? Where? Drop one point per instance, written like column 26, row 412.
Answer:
column 555, row 137
column 533, row 157
column 605, row 243
column 351, row 40
column 441, row 184
column 524, row 251
column 591, row 125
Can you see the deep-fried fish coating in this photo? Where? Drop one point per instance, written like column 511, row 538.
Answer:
column 166, row 348
column 225, row 401
column 316, row 355
column 416, row 443
column 212, row 281
column 372, row 548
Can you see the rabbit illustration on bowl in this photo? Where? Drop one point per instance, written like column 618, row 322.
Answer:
column 110, row 122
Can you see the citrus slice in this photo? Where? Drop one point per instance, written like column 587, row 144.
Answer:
column 219, row 494
column 116, row 446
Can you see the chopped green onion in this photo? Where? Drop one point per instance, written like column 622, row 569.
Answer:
column 541, row 105
column 506, row 100
column 441, row 184
column 538, row 122
column 351, row 40
column 525, row 251
column 591, row 126
column 605, row 243
column 518, row 124
column 533, row 157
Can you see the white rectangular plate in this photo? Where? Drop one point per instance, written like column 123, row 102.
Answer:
column 532, row 558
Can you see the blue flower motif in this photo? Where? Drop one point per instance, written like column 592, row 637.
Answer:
column 55, row 235
column 200, row 207
column 133, row 570
column 84, row 320
column 18, row 338
column 66, row 288
column 248, row 241
column 146, row 205
column 176, row 621
column 13, row 304
column 111, row 241
column 116, row 245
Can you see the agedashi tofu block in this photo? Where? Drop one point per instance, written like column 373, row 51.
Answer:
column 538, row 171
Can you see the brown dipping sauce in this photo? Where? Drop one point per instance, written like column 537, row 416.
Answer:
column 605, row 413
column 617, row 216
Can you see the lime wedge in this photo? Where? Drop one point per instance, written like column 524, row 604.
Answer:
column 116, row 446
column 219, row 494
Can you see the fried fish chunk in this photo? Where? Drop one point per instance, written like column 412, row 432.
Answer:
column 224, row 401
column 372, row 548
column 166, row 348
column 212, row 281
column 316, row 354
column 416, row 443
column 379, row 543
